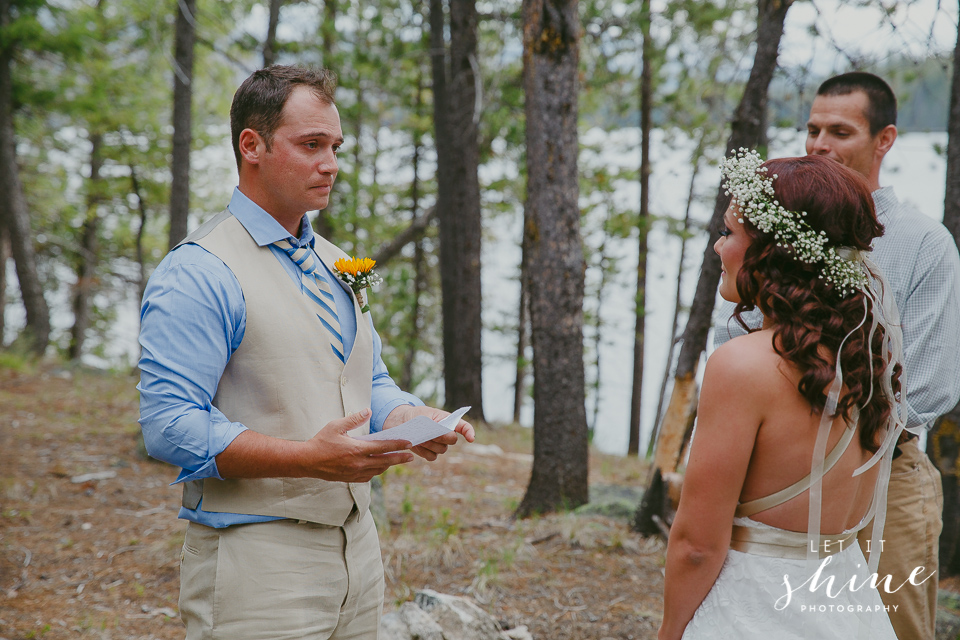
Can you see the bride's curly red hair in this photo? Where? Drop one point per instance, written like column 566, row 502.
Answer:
column 810, row 318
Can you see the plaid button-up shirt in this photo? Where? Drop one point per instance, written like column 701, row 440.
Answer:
column 919, row 260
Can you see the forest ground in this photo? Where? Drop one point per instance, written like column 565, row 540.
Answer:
column 99, row 558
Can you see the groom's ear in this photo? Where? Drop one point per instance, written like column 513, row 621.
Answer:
column 252, row 146
column 885, row 139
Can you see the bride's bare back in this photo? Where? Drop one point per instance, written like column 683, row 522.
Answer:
column 784, row 441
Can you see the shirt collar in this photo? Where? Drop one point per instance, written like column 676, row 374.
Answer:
column 885, row 201
column 264, row 228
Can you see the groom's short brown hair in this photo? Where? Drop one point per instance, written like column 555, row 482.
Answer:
column 258, row 103
column 882, row 103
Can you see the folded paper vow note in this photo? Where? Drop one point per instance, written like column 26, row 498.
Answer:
column 419, row 430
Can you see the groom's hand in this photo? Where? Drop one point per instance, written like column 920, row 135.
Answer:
column 430, row 449
column 330, row 455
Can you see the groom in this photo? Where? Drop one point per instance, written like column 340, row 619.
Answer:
column 853, row 121
column 257, row 363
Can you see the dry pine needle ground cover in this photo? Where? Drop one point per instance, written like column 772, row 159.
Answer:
column 99, row 557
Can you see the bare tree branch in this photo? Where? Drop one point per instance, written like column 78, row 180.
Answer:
column 414, row 232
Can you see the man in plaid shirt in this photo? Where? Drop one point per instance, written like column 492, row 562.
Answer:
column 853, row 121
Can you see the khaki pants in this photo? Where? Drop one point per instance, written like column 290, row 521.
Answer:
column 911, row 539
column 282, row 580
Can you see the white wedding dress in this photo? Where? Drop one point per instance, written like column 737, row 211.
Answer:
column 750, row 601
column 742, row 605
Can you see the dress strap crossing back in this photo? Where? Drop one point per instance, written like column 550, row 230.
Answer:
column 746, row 509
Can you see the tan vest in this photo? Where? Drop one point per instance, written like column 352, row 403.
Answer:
column 283, row 381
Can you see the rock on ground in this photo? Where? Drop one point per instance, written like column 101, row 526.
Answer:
column 438, row 616
column 948, row 622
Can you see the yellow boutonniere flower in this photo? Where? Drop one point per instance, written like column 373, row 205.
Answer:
column 355, row 267
column 359, row 274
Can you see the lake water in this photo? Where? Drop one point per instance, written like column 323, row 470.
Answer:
column 913, row 167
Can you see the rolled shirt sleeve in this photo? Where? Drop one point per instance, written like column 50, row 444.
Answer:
column 192, row 319
column 385, row 394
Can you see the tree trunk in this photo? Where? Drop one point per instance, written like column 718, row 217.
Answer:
column 441, row 112
column 182, row 119
column 88, row 255
column 944, row 450
column 419, row 263
column 141, row 231
column 373, row 187
column 944, row 442
column 270, row 44
column 459, row 209
column 951, row 204
column 354, row 177
column 328, row 32
column 14, row 215
column 746, row 127
column 523, row 326
column 646, row 104
column 746, row 131
column 4, row 254
column 328, row 36
column 551, row 31
column 598, row 333
column 677, row 306
column 419, row 287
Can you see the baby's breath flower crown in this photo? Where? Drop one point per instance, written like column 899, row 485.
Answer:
column 745, row 179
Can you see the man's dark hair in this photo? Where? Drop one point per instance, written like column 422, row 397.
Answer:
column 258, row 103
column 882, row 103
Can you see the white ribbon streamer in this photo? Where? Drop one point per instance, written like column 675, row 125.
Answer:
column 892, row 352
column 820, row 452
column 884, row 314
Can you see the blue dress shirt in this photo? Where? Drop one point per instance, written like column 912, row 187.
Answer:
column 192, row 319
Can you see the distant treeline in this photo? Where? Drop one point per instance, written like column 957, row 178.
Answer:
column 922, row 88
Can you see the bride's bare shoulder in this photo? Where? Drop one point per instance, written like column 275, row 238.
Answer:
column 740, row 384
column 749, row 357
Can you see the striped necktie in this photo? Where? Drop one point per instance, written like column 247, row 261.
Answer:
column 316, row 288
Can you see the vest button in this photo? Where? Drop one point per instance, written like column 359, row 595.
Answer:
column 343, row 381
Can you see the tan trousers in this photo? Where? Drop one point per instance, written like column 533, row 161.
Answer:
column 282, row 580
column 911, row 539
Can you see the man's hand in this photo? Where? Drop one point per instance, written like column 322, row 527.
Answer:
column 430, row 449
column 330, row 455
column 341, row 458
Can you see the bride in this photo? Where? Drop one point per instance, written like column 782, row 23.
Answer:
column 793, row 444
